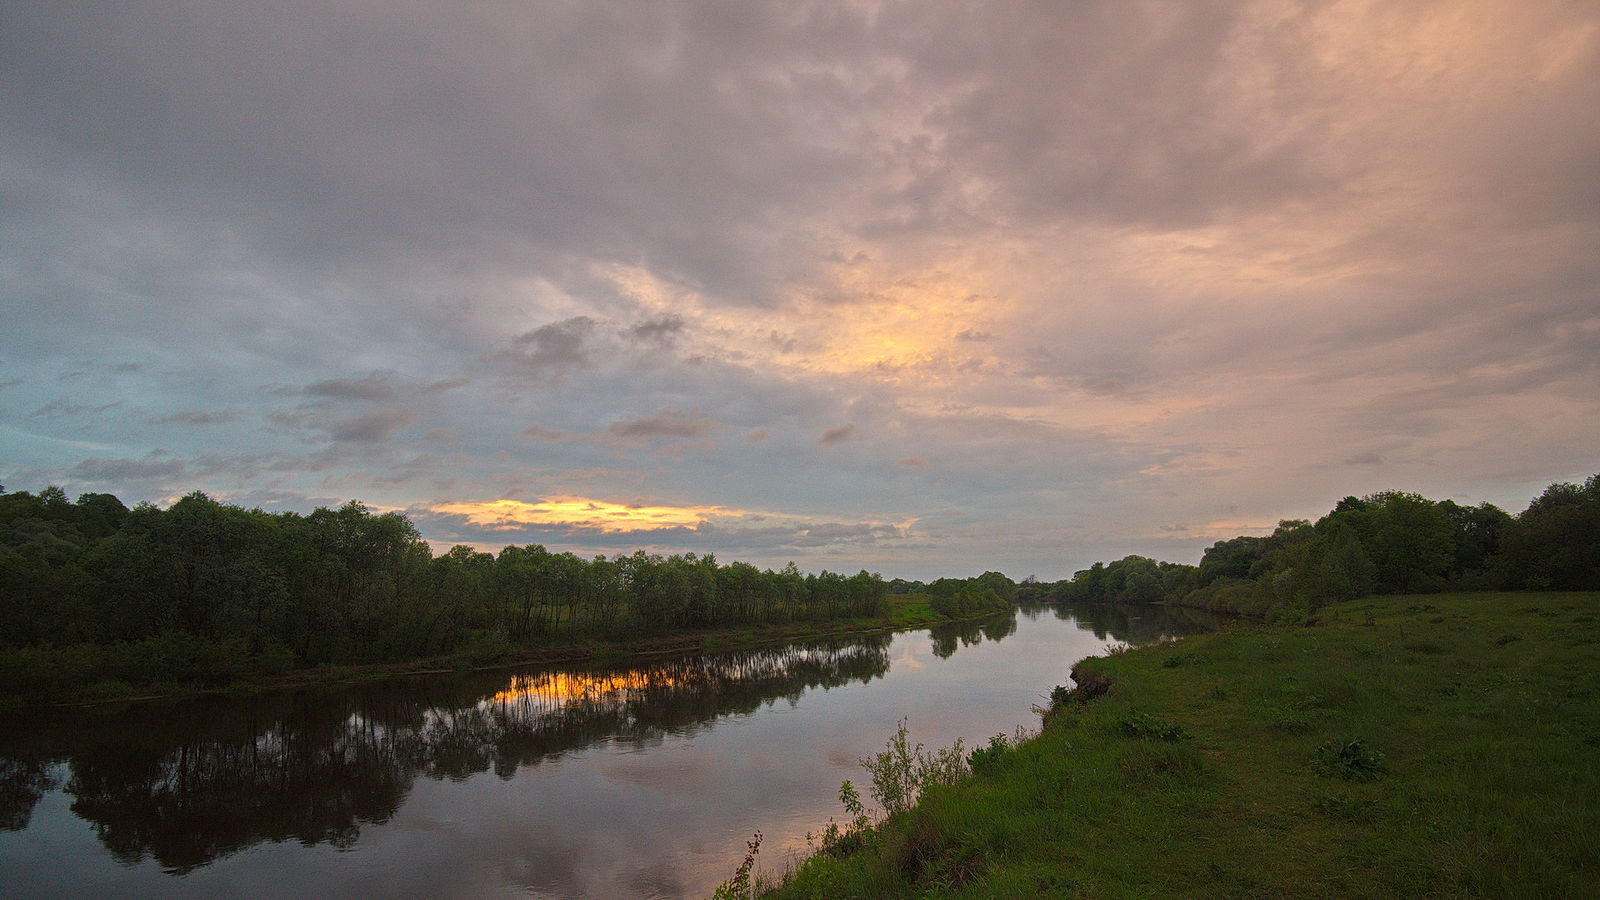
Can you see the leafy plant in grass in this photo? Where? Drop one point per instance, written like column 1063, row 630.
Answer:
column 1060, row 695
column 1350, row 759
column 1147, row 727
column 901, row 772
column 844, row 840
column 983, row 759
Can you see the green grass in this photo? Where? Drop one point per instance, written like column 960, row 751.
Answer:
column 1420, row 755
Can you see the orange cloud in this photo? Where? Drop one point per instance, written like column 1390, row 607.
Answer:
column 603, row 516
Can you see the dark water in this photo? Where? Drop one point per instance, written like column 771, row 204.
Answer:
column 640, row 781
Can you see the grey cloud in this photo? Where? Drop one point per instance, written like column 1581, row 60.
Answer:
column 837, row 434
column 376, row 387
column 661, row 330
column 192, row 417
column 115, row 471
column 306, row 205
column 1364, row 459
column 913, row 462
column 545, row 434
column 551, row 350
column 665, row 424
column 369, row 427
column 67, row 408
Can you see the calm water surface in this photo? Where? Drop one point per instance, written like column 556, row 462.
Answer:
column 641, row 781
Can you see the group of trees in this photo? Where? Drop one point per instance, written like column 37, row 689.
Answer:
column 1391, row 542
column 351, row 585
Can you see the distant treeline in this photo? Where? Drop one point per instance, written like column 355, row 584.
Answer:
column 1385, row 543
column 205, row 590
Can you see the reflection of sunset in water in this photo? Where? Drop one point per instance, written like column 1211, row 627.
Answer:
column 582, row 687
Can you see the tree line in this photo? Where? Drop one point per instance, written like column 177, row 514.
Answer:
column 213, row 590
column 1391, row 542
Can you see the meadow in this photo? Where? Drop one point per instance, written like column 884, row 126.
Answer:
column 1445, row 745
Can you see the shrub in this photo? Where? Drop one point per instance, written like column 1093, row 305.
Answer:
column 984, row 759
column 901, row 772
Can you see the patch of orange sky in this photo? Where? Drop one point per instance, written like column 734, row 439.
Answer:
column 602, row 516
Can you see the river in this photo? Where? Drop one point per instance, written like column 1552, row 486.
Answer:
column 642, row 780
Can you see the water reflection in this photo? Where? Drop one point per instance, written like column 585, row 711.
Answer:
column 185, row 784
column 1135, row 623
column 947, row 638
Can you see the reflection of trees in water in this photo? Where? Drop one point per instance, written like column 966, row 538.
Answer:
column 1141, row 623
column 951, row 635
column 23, row 783
column 186, row 784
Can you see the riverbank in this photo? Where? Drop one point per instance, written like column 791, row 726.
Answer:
column 1439, row 745
column 46, row 677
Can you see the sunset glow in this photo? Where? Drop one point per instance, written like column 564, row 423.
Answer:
column 1055, row 282
column 581, row 513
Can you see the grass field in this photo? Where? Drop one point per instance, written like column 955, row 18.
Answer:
column 1427, row 746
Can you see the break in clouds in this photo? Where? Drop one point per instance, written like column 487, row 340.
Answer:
column 917, row 287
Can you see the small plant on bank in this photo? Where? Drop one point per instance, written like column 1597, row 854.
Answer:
column 1350, row 759
column 845, row 840
column 984, row 759
column 741, row 886
column 901, row 772
column 899, row 776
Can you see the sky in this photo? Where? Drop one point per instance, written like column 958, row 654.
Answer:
column 926, row 288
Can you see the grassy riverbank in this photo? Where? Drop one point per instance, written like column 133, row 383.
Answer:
column 83, row 674
column 1441, row 745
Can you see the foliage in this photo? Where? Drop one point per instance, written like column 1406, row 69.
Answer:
column 900, row 772
column 982, row 759
column 957, row 598
column 204, row 591
column 1387, row 542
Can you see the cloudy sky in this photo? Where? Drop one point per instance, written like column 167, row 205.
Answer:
column 926, row 288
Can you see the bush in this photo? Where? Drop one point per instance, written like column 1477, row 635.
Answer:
column 984, row 759
column 901, row 772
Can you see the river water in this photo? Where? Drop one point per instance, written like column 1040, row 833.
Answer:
column 603, row 781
